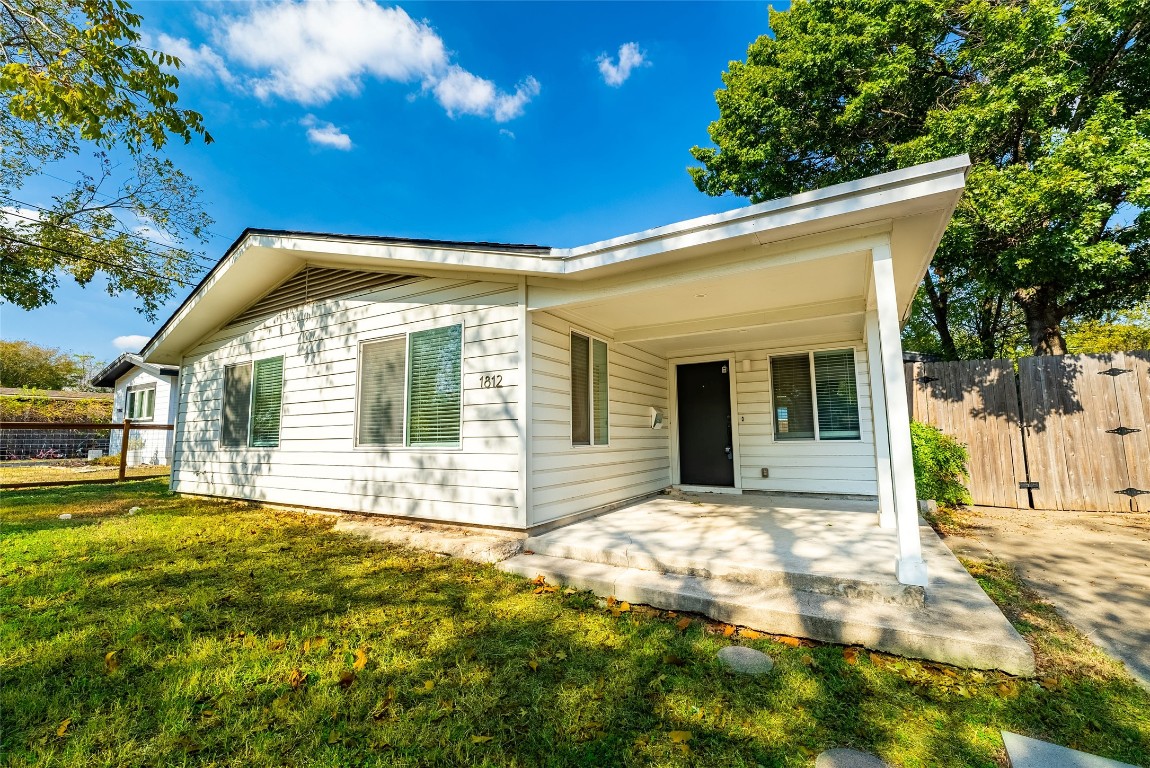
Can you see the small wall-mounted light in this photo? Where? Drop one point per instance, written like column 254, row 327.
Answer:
column 656, row 418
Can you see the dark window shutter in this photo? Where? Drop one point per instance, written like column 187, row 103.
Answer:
column 267, row 396
column 236, row 405
column 837, row 393
column 600, row 401
column 435, row 388
column 580, row 390
column 791, row 391
column 382, row 368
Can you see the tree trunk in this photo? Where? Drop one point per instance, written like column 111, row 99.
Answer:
column 1043, row 320
column 940, row 308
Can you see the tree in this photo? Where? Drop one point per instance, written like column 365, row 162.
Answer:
column 1051, row 99
column 24, row 364
column 1118, row 332
column 76, row 78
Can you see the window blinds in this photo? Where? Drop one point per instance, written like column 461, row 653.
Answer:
column 434, row 386
column 580, row 390
column 837, row 394
column 237, row 405
column 382, row 380
column 791, row 387
column 267, row 395
column 599, row 400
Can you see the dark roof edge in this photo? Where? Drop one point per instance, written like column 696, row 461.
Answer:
column 111, row 372
column 249, row 231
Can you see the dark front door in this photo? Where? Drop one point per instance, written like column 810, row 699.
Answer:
column 706, row 455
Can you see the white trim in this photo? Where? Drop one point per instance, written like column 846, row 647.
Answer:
column 355, row 443
column 525, row 397
column 886, row 518
column 673, row 408
column 910, row 568
column 810, row 353
column 458, row 445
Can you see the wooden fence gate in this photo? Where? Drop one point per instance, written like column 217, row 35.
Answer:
column 1069, row 432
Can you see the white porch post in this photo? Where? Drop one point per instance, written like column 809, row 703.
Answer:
column 910, row 567
column 886, row 518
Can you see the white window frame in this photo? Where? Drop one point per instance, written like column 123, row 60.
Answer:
column 591, row 339
column 137, row 390
column 810, row 353
column 406, row 336
column 251, row 402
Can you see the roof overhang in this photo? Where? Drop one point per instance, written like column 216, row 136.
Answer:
column 113, row 371
column 260, row 259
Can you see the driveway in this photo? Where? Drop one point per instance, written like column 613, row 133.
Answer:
column 1094, row 567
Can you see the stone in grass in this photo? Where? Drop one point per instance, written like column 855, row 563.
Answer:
column 134, row 510
column 746, row 661
column 65, row 516
column 848, row 758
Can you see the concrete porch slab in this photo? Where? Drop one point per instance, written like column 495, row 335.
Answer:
column 691, row 546
column 1025, row 752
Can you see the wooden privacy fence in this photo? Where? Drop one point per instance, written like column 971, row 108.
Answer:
column 124, row 429
column 1067, row 432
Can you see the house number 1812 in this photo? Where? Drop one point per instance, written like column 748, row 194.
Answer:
column 491, row 382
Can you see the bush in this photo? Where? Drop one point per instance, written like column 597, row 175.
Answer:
column 939, row 465
column 31, row 406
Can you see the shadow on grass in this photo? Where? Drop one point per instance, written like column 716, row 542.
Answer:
column 230, row 628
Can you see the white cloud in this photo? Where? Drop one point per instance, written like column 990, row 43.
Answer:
column 313, row 52
column 17, row 217
column 197, row 61
column 507, row 133
column 132, row 343
column 630, row 57
column 325, row 134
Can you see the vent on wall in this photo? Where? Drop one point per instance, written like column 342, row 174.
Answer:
column 315, row 284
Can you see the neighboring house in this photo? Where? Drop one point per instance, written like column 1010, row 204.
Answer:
column 515, row 386
column 146, row 393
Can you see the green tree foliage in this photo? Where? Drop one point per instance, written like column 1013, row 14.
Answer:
column 939, row 465
column 1118, row 332
column 1051, row 100
column 24, row 364
column 75, row 78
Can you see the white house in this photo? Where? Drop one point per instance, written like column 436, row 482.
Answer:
column 143, row 392
column 518, row 386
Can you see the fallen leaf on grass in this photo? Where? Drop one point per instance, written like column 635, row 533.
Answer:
column 63, row 729
column 314, row 642
column 1049, row 683
column 360, row 659
column 728, row 630
column 619, row 608
column 481, row 739
column 296, row 677
column 809, row 660
column 682, row 624
column 793, row 642
column 429, row 685
column 560, row 655
column 680, row 739
column 751, row 634
column 851, row 655
column 346, row 678
column 112, row 661
column 534, row 665
column 276, row 645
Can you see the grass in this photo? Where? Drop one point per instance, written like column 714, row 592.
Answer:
column 207, row 633
column 53, row 472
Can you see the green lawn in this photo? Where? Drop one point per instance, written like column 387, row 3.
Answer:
column 197, row 632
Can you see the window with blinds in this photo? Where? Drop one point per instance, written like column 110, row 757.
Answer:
column 792, row 398
column 435, row 386
column 141, row 404
column 590, row 400
column 837, row 395
column 819, row 387
column 382, row 389
column 267, row 398
column 236, row 405
column 580, row 390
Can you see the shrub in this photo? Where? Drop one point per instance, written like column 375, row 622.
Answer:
column 32, row 406
column 939, row 465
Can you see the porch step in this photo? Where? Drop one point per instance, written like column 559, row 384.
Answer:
column 951, row 632
column 764, row 573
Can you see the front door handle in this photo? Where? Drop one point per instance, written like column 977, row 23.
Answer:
column 728, row 450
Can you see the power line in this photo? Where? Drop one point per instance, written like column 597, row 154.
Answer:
column 188, row 255
column 147, row 273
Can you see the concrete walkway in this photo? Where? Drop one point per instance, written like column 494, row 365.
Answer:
column 816, row 569
column 1094, row 567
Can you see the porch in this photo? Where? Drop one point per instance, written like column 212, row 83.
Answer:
column 787, row 565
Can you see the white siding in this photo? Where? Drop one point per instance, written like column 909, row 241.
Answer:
column 317, row 463
column 809, row 466
column 145, row 446
column 568, row 479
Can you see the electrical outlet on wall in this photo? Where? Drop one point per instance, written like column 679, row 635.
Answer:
column 766, row 472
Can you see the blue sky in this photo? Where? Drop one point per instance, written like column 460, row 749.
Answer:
column 549, row 123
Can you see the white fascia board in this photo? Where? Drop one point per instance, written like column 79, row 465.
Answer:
column 941, row 176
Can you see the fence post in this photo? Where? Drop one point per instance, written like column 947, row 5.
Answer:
column 124, row 449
